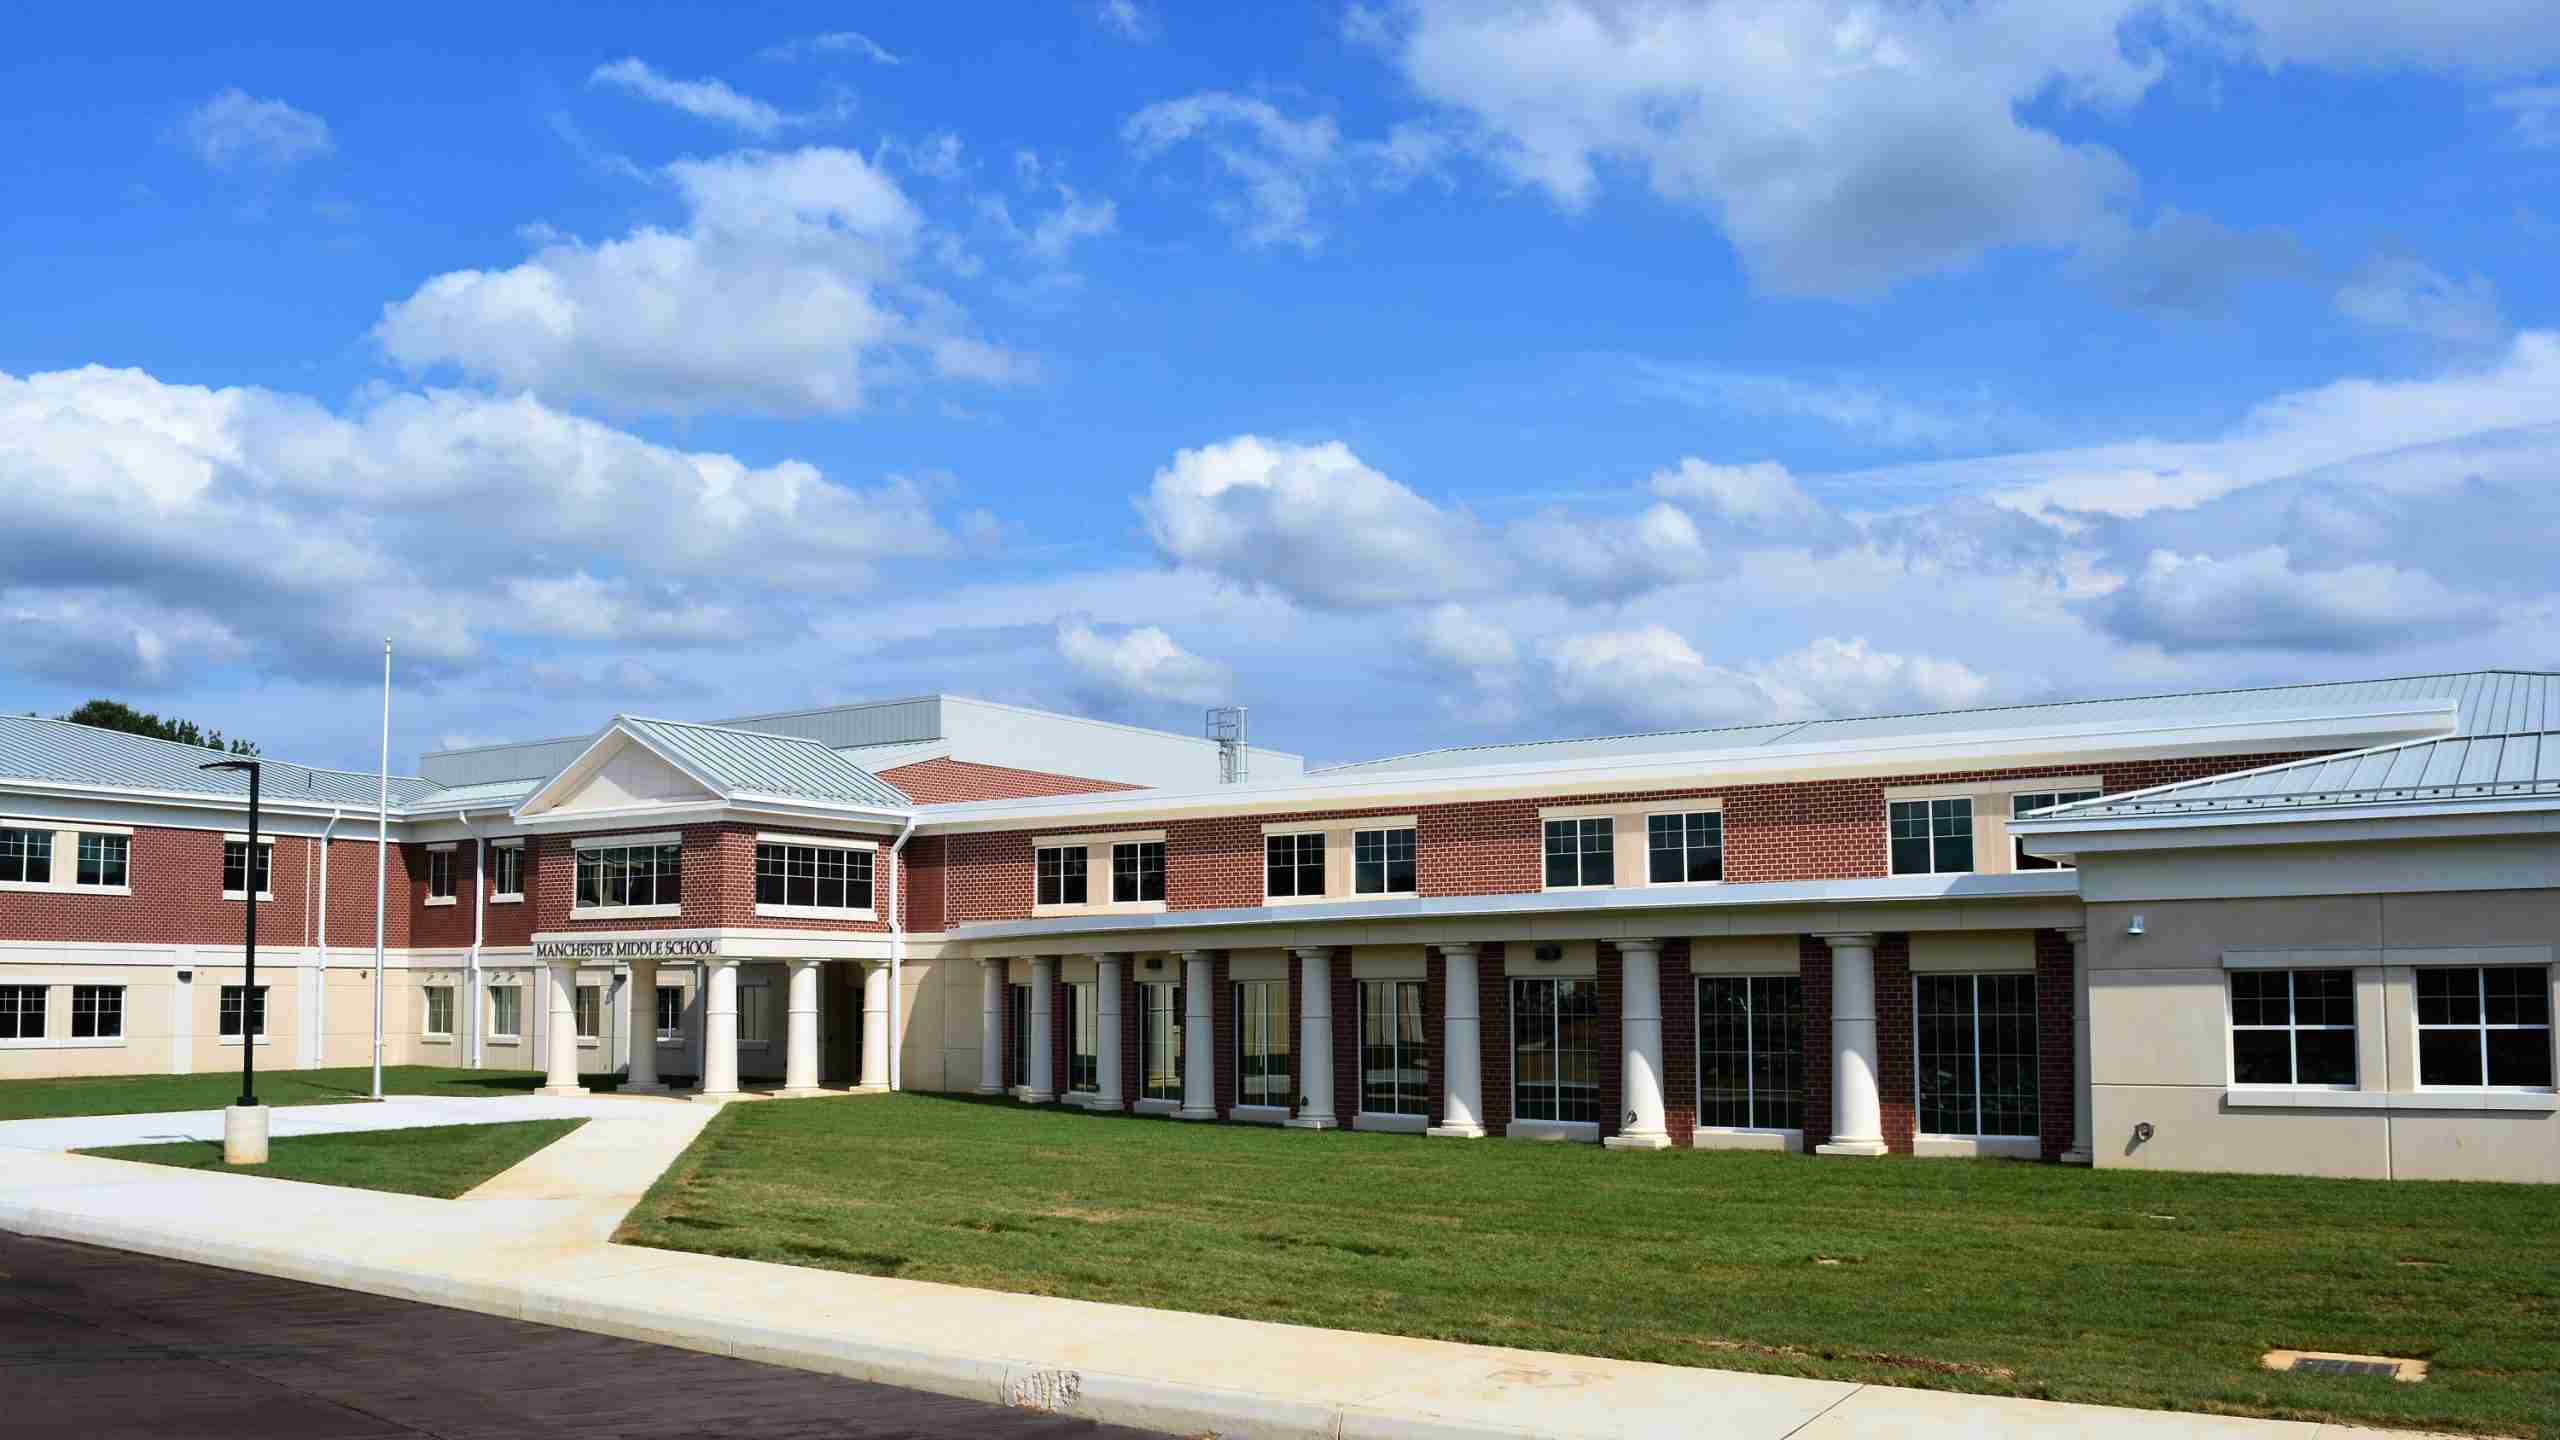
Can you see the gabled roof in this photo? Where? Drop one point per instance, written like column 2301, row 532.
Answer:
column 2520, row 766
column 58, row 752
column 733, row 765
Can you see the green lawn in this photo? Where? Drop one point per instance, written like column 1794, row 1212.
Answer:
column 2114, row 1287
column 143, row 1094
column 441, row 1161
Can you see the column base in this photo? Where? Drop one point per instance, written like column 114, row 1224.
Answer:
column 2078, row 1155
column 1636, row 1142
column 804, row 1092
column 650, row 1087
column 1039, row 1097
column 563, row 1091
column 1312, row 1122
column 1456, row 1132
column 1863, row 1149
column 991, row 1090
column 1187, row 1113
column 716, row 1097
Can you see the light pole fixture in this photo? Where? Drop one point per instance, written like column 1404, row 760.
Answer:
column 244, row 1129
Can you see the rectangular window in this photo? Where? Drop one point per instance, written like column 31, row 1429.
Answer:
column 506, row 1011
column 590, row 1012
column 21, row 1012
column 670, row 1013
column 1062, row 875
column 233, row 998
column 1977, row 1054
column 1395, row 1074
column 440, row 874
column 752, row 1025
column 1084, row 1037
column 235, row 868
column 2484, row 1025
column 1555, row 1050
column 2021, row 804
column 2293, row 1027
column 1137, row 871
column 26, row 857
column 1932, row 837
column 1160, row 1040
column 1017, row 1016
column 614, row 876
column 1582, row 852
column 439, row 1009
column 506, row 873
column 1262, row 1043
column 1750, row 1051
column 1684, row 848
column 97, row 1012
column 1293, row 866
column 812, row 877
column 105, row 861
column 1382, row 862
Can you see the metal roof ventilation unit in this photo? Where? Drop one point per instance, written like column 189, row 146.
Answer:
column 1226, row 726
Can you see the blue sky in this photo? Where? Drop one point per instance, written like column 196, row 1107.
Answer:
column 1413, row 373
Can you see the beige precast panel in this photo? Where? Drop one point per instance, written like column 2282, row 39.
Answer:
column 1746, row 955
column 2192, row 1131
column 2160, row 1027
column 2194, row 933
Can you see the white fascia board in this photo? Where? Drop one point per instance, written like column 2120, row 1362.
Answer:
column 269, row 802
column 745, row 809
column 2076, row 745
column 2322, row 825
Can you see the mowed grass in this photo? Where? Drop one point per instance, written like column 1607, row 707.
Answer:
column 440, row 1161
column 2156, row 1290
column 148, row 1094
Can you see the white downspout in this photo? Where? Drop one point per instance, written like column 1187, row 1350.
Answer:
column 320, row 1007
column 479, row 932
column 897, row 945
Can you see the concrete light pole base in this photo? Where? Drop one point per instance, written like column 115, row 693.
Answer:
column 244, row 1135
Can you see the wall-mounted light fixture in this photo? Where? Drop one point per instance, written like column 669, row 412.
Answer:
column 2134, row 928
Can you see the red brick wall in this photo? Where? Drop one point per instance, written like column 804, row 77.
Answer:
column 1894, row 1075
column 944, row 782
column 1435, row 1025
column 1679, row 1043
column 1222, row 1021
column 1814, row 959
column 923, row 878
column 1346, row 1040
column 1493, row 1004
column 2056, row 1057
column 719, row 878
column 176, row 880
column 1613, row 1040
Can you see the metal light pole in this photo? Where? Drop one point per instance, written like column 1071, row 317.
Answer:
column 244, row 1130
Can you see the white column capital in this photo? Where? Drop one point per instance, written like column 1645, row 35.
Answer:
column 1312, row 952
column 1849, row 940
column 1651, row 947
column 1458, row 949
column 2078, row 935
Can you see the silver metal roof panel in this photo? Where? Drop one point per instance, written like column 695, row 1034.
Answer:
column 756, row 762
column 59, row 752
column 2417, row 772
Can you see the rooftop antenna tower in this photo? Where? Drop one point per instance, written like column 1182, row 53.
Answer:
column 1226, row 726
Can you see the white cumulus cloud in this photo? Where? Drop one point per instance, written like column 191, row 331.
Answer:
column 233, row 129
column 1140, row 663
column 711, row 100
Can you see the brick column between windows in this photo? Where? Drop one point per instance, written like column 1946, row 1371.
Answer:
column 1007, row 1020
column 1679, row 1043
column 1613, row 1056
column 1897, row 1089
column 1224, row 1027
column 1435, row 980
column 1346, row 1039
column 1061, row 1022
column 1493, row 998
column 1814, row 962
column 2057, row 1049
column 1133, row 1029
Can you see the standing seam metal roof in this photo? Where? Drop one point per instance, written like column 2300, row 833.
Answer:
column 61, row 752
column 2457, row 767
column 752, row 761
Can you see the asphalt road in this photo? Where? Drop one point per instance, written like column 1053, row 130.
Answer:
column 99, row 1343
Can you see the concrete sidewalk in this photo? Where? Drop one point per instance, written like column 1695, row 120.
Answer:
column 395, row 1112
column 531, row 1245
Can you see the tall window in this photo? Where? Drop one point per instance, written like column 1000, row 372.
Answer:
column 235, row 867
column 613, row 876
column 670, row 1013
column 440, row 874
column 1681, row 848
column 21, row 1012
column 1017, row 1015
column 236, row 999
column 2293, row 1027
column 1084, row 1042
column 1262, row 1043
column 97, row 1012
column 2021, row 804
column 1932, row 837
column 1061, row 872
column 1395, row 1076
column 1581, row 852
column 1555, row 1049
column 506, row 1011
column 105, row 860
column 1977, row 1054
column 1382, row 862
column 1160, row 1040
column 506, row 872
column 2484, row 1025
column 439, row 1009
column 1137, row 871
column 1293, row 865
column 26, row 857
column 589, row 1003
column 813, row 877
column 1750, row 1051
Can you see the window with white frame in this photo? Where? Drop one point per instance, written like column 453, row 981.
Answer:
column 1751, row 1052
column 506, row 1012
column 106, row 862
column 614, row 877
column 1160, row 1040
column 22, row 1012
column 1582, row 853
column 2024, row 801
column 1084, row 1037
column 589, row 1003
column 239, row 1002
column 2485, row 1025
column 2293, row 1027
column 1262, row 1043
column 1555, row 1049
column 1061, row 871
column 1931, row 837
column 1975, row 1055
column 670, row 1013
column 506, row 872
column 1382, row 861
column 752, row 1025
column 235, row 869
column 440, row 883
column 1395, row 1057
column 439, row 1010
column 1680, row 849
column 1017, row 1017
column 26, row 857
column 813, row 877
column 97, row 1012
column 1293, row 866
column 1137, row 871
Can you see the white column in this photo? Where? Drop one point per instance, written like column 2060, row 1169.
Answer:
column 1036, row 1086
column 719, row 1029
column 991, row 1027
column 2083, row 1127
column 561, row 991
column 1108, row 1094
column 800, row 1031
column 1461, row 1046
column 1640, row 1030
column 1315, row 1042
column 1857, row 1113
column 875, row 1025
column 643, row 1078
column 1199, row 1036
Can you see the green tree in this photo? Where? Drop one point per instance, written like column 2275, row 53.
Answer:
column 116, row 715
